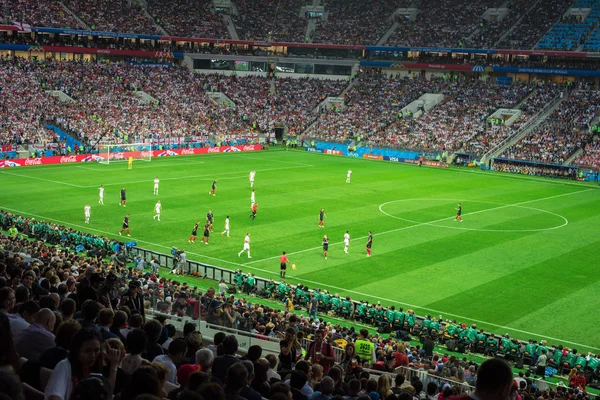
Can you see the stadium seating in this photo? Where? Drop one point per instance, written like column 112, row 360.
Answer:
column 168, row 300
column 270, row 20
column 591, row 154
column 565, row 131
column 534, row 24
column 432, row 28
column 188, row 19
column 112, row 16
column 350, row 22
column 48, row 13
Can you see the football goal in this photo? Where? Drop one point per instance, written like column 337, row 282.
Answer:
column 111, row 153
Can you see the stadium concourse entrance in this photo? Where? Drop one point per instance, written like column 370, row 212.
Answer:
column 279, row 131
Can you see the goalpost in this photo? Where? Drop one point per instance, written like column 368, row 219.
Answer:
column 111, row 153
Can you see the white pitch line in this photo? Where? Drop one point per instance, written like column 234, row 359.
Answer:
column 247, row 155
column 45, row 180
column 429, row 223
column 88, row 228
column 211, row 176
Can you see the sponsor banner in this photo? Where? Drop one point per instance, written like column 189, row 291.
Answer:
column 134, row 53
column 565, row 72
column 394, row 159
column 333, row 152
column 24, row 162
column 372, row 157
column 313, row 150
column 428, row 163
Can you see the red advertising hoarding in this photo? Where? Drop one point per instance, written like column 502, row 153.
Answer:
column 24, row 162
column 372, row 157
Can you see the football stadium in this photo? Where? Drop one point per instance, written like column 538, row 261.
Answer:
column 299, row 199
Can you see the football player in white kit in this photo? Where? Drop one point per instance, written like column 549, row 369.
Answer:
column 156, row 181
column 252, row 174
column 101, row 194
column 226, row 227
column 348, row 175
column 87, row 211
column 157, row 210
column 346, row 241
column 252, row 198
column 246, row 245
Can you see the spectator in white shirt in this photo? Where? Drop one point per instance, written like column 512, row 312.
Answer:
column 177, row 350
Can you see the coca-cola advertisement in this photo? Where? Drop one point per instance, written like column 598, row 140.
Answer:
column 86, row 158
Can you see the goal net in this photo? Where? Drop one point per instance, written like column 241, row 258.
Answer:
column 111, row 153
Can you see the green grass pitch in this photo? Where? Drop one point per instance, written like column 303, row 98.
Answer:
column 524, row 261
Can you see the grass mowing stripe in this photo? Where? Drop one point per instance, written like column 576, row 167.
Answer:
column 430, row 222
column 319, row 283
column 45, row 180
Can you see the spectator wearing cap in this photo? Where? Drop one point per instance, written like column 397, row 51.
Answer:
column 38, row 337
column 177, row 350
column 133, row 299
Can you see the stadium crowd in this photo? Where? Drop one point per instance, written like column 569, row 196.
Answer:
column 188, row 18
column 47, row 13
column 534, row 170
column 432, row 29
column 78, row 323
column 270, row 20
column 350, row 22
column 538, row 19
column 565, row 131
column 113, row 16
column 591, row 154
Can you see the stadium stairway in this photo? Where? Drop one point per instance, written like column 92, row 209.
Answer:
column 144, row 5
column 74, row 15
column 387, row 34
column 145, row 98
column 502, row 41
column 533, row 123
column 230, row 27
column 61, row 96
column 574, row 156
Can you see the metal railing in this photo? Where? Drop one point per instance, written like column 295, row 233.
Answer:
column 522, row 128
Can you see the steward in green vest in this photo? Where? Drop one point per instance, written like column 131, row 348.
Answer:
column 468, row 335
column 346, row 307
column 530, row 348
column 399, row 318
column 570, row 359
column 365, row 349
column 505, row 344
column 336, row 303
column 593, row 363
column 325, row 299
column 238, row 278
column 409, row 321
column 361, row 311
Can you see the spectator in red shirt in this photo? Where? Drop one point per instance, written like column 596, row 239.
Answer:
column 321, row 352
column 578, row 381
